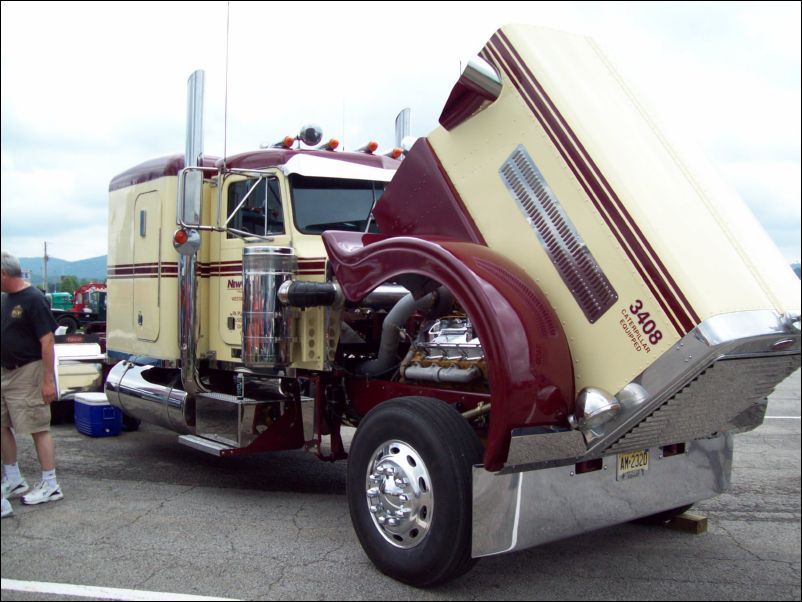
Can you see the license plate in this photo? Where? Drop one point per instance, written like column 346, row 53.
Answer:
column 632, row 464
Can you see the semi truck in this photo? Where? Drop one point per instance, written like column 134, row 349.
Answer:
column 60, row 300
column 544, row 320
column 87, row 309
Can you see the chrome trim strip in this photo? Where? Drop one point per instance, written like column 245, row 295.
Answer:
column 524, row 509
column 205, row 445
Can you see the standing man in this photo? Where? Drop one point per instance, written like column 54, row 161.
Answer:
column 28, row 383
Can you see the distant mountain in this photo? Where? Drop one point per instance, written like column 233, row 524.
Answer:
column 796, row 267
column 93, row 268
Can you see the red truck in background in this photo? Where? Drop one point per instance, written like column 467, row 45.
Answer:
column 88, row 309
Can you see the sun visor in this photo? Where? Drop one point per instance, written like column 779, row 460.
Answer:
column 318, row 167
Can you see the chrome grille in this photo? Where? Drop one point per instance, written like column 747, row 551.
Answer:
column 558, row 235
column 714, row 402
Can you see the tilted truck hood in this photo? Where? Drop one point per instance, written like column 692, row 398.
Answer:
column 633, row 242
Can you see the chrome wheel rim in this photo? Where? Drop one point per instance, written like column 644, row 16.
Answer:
column 398, row 491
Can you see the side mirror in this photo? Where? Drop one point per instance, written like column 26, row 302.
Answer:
column 190, row 193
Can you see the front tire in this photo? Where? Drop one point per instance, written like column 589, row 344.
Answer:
column 68, row 321
column 410, row 489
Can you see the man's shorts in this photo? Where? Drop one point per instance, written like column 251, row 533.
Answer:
column 23, row 408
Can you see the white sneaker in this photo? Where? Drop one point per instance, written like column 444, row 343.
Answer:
column 15, row 488
column 7, row 510
column 42, row 493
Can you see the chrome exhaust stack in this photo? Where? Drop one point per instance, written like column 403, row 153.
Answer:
column 188, row 214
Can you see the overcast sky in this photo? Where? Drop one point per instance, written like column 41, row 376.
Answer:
column 89, row 90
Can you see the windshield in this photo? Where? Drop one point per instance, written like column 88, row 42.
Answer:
column 321, row 204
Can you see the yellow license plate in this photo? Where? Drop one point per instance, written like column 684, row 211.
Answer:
column 632, row 464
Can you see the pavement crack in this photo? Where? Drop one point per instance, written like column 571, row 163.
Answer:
column 272, row 585
column 739, row 544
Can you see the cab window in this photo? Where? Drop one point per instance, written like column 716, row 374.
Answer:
column 261, row 213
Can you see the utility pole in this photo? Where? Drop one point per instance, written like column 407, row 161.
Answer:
column 45, row 262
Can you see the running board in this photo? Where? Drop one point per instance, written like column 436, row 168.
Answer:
column 205, row 445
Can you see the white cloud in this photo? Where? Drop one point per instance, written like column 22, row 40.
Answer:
column 95, row 88
column 772, row 190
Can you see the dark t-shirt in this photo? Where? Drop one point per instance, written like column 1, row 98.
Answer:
column 26, row 317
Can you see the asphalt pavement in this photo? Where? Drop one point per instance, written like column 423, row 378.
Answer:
column 142, row 513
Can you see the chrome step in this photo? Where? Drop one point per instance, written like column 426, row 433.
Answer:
column 232, row 421
column 205, row 445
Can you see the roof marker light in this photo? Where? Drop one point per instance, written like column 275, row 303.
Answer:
column 285, row 142
column 369, row 148
column 331, row 145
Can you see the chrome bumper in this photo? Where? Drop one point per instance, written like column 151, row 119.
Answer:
column 519, row 510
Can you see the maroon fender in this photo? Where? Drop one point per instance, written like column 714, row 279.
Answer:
column 529, row 362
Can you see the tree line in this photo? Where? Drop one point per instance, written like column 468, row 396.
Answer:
column 69, row 284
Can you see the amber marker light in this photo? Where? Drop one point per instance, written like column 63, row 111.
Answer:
column 370, row 147
column 331, row 145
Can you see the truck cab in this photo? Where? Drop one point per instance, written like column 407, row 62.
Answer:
column 59, row 300
column 284, row 198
